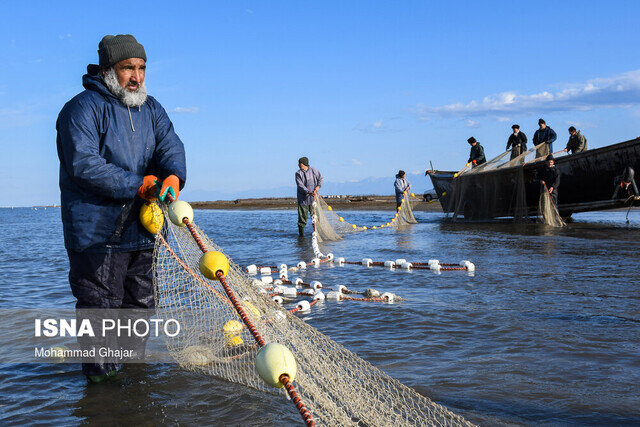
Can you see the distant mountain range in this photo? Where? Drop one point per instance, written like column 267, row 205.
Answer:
column 380, row 186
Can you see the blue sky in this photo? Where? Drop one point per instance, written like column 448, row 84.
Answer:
column 362, row 88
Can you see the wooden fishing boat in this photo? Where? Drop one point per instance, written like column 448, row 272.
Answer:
column 588, row 183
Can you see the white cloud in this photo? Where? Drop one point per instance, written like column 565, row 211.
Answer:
column 621, row 91
column 185, row 110
column 471, row 123
column 356, row 162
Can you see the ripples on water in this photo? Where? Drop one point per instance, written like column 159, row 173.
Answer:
column 547, row 331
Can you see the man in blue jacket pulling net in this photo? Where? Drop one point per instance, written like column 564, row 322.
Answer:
column 114, row 144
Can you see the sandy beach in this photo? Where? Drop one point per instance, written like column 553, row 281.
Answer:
column 365, row 203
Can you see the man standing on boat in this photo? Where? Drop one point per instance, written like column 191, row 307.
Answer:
column 114, row 142
column 577, row 142
column 544, row 135
column 308, row 182
column 550, row 177
column 517, row 141
column 401, row 185
column 476, row 155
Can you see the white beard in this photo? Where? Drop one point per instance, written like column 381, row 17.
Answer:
column 129, row 98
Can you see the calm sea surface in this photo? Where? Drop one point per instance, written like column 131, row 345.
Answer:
column 546, row 332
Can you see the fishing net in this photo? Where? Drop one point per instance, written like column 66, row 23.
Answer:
column 547, row 211
column 336, row 385
column 331, row 226
column 492, row 190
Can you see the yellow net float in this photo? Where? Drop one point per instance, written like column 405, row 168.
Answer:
column 231, row 331
column 353, row 226
column 413, row 195
column 374, row 227
column 212, row 262
column 251, row 310
column 341, row 219
column 151, row 217
column 329, row 208
column 274, row 360
column 364, row 228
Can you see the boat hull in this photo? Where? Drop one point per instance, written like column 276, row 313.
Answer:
column 587, row 183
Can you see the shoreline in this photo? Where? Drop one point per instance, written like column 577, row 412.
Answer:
column 365, row 203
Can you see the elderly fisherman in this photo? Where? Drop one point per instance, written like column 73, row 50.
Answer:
column 114, row 143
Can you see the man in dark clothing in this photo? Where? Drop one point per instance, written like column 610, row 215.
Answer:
column 544, row 135
column 550, row 177
column 577, row 142
column 476, row 155
column 308, row 182
column 517, row 141
column 114, row 143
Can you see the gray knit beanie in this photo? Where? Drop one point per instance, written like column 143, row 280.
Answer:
column 113, row 49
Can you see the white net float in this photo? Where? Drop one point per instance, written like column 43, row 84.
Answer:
column 265, row 271
column 277, row 299
column 278, row 289
column 367, row 262
column 266, row 279
column 433, row 261
column 406, row 266
column 318, row 296
column 341, row 288
column 302, row 265
column 290, row 292
column 389, row 264
column 400, row 261
column 330, row 256
column 470, row 266
column 371, row 293
column 315, row 262
column 388, row 297
column 435, row 268
column 316, row 285
column 277, row 282
column 257, row 282
column 340, row 261
column 334, row 296
column 252, row 269
column 304, row 305
column 282, row 267
column 298, row 281
column 310, row 292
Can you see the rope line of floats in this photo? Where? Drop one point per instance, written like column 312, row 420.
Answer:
column 391, row 222
column 275, row 363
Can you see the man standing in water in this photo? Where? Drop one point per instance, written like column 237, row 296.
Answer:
column 401, row 185
column 476, row 155
column 114, row 142
column 544, row 135
column 308, row 182
column 517, row 141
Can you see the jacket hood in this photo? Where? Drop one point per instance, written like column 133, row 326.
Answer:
column 397, row 176
column 93, row 81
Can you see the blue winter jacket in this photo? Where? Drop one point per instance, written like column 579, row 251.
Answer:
column 547, row 135
column 105, row 150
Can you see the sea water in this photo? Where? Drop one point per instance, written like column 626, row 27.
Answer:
column 546, row 331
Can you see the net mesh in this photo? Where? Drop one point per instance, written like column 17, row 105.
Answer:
column 547, row 211
column 331, row 226
column 337, row 386
column 481, row 195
